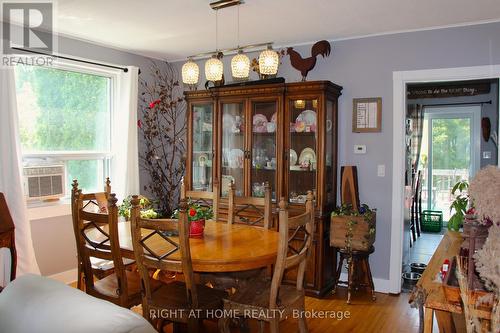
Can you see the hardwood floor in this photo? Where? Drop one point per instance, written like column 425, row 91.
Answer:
column 386, row 315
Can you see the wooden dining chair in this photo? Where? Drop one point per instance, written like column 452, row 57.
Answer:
column 173, row 301
column 203, row 198
column 7, row 237
column 268, row 296
column 101, row 268
column 121, row 287
column 250, row 210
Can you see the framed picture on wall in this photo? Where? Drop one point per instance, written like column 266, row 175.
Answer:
column 367, row 115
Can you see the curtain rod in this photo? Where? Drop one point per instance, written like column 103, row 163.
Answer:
column 125, row 69
column 463, row 103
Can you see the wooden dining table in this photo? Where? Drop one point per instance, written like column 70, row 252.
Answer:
column 222, row 248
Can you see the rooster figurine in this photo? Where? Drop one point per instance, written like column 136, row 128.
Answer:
column 305, row 65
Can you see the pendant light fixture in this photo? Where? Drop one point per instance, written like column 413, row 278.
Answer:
column 240, row 63
column 214, row 67
column 190, row 73
column 268, row 61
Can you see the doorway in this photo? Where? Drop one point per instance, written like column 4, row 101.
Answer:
column 450, row 153
column 399, row 194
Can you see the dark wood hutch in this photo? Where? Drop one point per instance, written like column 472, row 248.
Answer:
column 281, row 133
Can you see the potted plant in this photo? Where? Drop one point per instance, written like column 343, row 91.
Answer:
column 353, row 229
column 460, row 205
column 147, row 210
column 197, row 215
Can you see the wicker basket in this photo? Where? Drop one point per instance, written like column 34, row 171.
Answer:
column 362, row 239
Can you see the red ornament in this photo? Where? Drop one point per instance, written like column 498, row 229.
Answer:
column 192, row 212
column 139, row 123
column 152, row 105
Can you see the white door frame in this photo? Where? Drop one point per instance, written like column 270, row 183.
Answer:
column 400, row 79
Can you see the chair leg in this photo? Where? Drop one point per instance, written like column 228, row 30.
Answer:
column 302, row 320
column 79, row 283
column 261, row 326
column 274, row 325
column 223, row 324
column 193, row 325
column 337, row 273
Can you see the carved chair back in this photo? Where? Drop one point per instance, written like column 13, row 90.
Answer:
column 107, row 246
column 250, row 210
column 174, row 254
column 203, row 198
column 297, row 230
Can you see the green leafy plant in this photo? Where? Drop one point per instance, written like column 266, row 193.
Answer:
column 147, row 210
column 196, row 212
column 459, row 205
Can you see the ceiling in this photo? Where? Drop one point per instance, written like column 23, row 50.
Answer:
column 174, row 29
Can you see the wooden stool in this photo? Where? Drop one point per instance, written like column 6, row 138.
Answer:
column 358, row 271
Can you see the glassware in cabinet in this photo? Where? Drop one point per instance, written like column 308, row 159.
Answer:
column 202, row 147
column 233, row 147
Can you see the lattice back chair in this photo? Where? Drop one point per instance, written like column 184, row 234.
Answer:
column 122, row 286
column 274, row 295
column 7, row 237
column 101, row 268
column 164, row 244
column 250, row 210
column 203, row 198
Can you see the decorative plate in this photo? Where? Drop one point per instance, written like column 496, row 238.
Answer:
column 236, row 157
column 307, row 155
column 293, row 157
column 227, row 122
column 308, row 117
column 259, row 123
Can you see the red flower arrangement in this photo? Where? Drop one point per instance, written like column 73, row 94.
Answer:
column 154, row 103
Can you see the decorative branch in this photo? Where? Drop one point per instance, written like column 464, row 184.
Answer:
column 163, row 126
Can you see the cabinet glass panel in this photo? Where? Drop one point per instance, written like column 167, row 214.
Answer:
column 233, row 147
column 264, row 120
column 329, row 162
column 202, row 147
column 303, row 136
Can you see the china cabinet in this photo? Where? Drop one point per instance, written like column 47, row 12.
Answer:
column 284, row 134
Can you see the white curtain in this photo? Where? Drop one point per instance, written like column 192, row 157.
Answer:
column 10, row 178
column 125, row 164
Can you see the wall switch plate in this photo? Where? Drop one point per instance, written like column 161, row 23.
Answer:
column 359, row 149
column 486, row 154
column 381, row 170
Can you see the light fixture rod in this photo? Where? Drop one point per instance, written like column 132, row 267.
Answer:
column 225, row 3
column 244, row 47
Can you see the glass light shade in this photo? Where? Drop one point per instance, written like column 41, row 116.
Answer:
column 299, row 104
column 190, row 72
column 268, row 62
column 214, row 69
column 240, row 66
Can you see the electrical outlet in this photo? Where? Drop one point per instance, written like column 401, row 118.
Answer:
column 381, row 170
column 486, row 155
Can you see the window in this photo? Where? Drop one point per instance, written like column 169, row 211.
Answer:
column 65, row 117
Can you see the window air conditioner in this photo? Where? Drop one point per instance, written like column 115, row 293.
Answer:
column 44, row 182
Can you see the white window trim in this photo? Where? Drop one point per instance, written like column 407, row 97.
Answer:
column 61, row 207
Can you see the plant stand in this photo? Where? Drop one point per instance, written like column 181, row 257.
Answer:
column 358, row 271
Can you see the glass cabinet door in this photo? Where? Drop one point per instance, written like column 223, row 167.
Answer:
column 233, row 147
column 302, row 149
column 202, row 147
column 330, row 163
column 264, row 162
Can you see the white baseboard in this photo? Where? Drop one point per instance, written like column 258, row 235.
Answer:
column 381, row 285
column 66, row 277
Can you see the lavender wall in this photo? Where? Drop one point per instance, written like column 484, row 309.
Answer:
column 364, row 67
